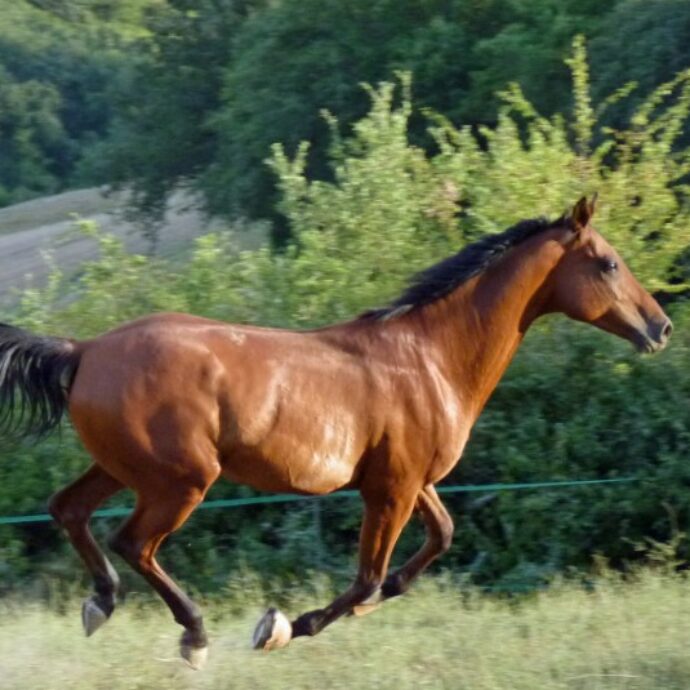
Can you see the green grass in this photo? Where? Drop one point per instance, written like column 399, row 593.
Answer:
column 633, row 636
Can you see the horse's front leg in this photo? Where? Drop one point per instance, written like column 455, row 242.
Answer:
column 384, row 519
column 439, row 535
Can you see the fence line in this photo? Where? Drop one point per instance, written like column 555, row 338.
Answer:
column 289, row 498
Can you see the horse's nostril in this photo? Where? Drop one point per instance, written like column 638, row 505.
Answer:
column 667, row 330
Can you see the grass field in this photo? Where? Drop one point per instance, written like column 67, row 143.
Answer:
column 632, row 636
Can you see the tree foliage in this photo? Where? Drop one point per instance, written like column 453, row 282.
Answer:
column 641, row 42
column 163, row 136
column 157, row 94
column 58, row 65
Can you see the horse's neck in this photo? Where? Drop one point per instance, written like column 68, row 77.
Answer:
column 478, row 328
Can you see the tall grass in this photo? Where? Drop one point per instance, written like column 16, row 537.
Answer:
column 631, row 635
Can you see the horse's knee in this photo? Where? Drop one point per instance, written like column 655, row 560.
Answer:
column 64, row 513
column 55, row 507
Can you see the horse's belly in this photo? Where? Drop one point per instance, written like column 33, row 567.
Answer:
column 297, row 434
column 291, row 466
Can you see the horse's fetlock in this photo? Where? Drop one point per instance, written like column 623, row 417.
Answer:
column 367, row 587
column 192, row 621
column 105, row 602
column 105, row 587
column 195, row 637
column 394, row 585
column 307, row 624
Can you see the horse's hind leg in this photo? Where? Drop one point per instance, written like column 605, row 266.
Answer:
column 71, row 507
column 156, row 515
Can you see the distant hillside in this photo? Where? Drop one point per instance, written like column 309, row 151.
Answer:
column 29, row 229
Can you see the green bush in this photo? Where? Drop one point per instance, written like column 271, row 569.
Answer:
column 576, row 404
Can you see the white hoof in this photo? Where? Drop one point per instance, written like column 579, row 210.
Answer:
column 273, row 631
column 92, row 616
column 194, row 656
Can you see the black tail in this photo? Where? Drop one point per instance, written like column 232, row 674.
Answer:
column 36, row 374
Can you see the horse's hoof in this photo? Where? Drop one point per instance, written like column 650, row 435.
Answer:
column 273, row 631
column 92, row 616
column 194, row 656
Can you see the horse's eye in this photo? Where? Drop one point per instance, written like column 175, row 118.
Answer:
column 609, row 265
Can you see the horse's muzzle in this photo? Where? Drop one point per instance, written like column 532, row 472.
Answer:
column 656, row 338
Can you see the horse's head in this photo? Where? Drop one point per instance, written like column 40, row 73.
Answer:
column 591, row 283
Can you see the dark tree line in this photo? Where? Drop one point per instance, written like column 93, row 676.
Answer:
column 154, row 94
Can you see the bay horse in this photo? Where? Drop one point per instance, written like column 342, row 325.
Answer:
column 383, row 403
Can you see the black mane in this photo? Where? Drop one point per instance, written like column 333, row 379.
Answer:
column 442, row 278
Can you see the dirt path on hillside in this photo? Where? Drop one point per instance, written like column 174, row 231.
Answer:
column 30, row 229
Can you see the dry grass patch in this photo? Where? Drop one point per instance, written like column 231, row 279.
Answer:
column 622, row 635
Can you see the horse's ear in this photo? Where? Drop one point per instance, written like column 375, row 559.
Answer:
column 582, row 212
column 593, row 204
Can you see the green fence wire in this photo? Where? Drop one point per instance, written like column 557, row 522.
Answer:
column 289, row 498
